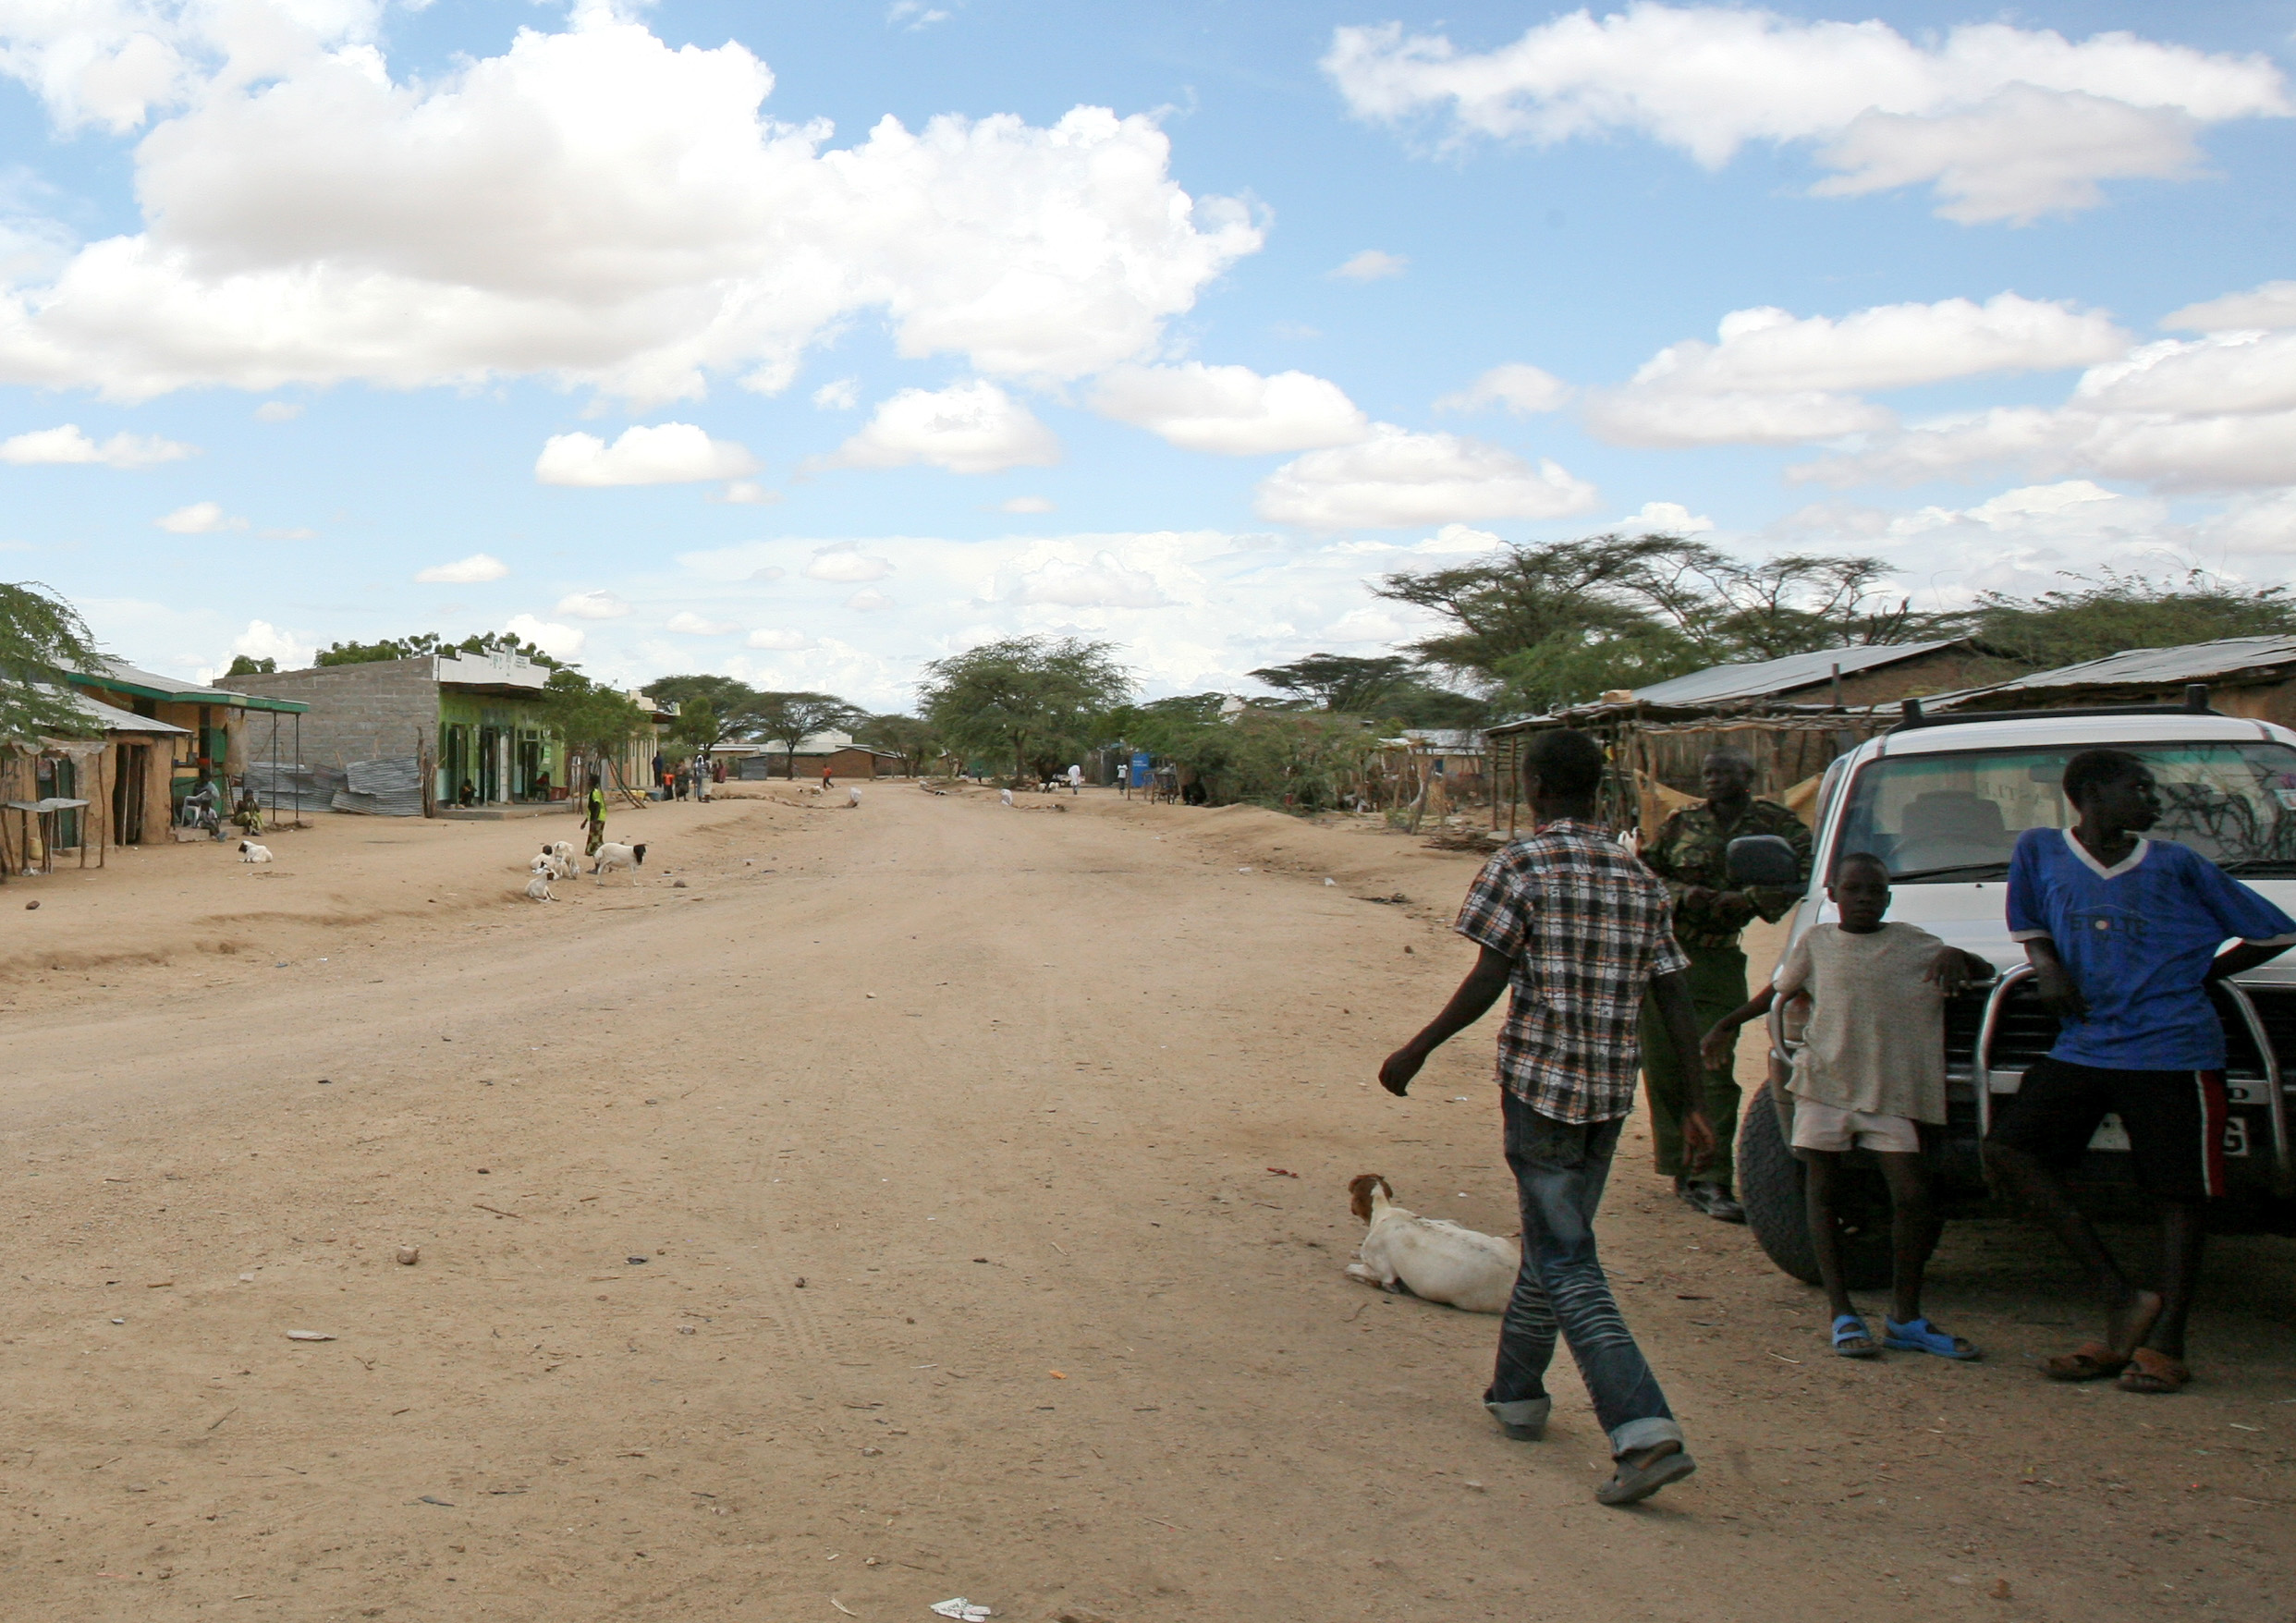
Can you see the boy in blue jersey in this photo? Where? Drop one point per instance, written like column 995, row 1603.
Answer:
column 2123, row 933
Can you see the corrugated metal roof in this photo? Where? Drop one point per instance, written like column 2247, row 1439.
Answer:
column 121, row 676
column 1725, row 683
column 2152, row 667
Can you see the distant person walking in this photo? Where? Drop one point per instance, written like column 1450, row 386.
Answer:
column 1691, row 854
column 1579, row 930
column 1076, row 780
column 594, row 817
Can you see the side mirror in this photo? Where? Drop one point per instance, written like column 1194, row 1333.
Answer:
column 1763, row 861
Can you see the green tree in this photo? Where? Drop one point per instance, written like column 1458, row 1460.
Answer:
column 593, row 719
column 2111, row 611
column 1030, row 698
column 431, row 642
column 729, row 696
column 40, row 638
column 246, row 666
column 913, row 739
column 789, row 719
column 1388, row 687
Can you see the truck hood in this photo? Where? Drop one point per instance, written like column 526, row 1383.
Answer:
column 1973, row 917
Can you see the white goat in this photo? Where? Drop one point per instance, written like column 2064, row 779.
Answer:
column 1429, row 1256
column 612, row 856
column 538, row 889
column 251, row 853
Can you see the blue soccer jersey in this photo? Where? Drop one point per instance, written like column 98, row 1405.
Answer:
column 2138, row 938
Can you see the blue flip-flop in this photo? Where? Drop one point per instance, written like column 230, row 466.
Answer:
column 1852, row 1339
column 1921, row 1336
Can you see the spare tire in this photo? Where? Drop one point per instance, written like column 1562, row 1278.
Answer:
column 1769, row 1187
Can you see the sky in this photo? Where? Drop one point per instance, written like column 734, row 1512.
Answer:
column 810, row 344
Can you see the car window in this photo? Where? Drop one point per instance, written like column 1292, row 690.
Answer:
column 1955, row 815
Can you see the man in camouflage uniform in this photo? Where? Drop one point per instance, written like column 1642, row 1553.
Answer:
column 1689, row 854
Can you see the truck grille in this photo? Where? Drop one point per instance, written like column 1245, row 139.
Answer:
column 2026, row 1031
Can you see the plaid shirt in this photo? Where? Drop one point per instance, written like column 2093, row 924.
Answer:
column 1586, row 925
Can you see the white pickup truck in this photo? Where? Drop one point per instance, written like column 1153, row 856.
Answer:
column 1942, row 801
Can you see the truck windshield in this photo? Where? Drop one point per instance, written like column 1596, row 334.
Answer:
column 1955, row 816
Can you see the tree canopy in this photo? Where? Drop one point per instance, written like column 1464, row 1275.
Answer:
column 2111, row 611
column 1536, row 625
column 1031, row 699
column 1389, row 685
column 915, row 740
column 40, row 638
column 422, row 642
column 790, row 718
column 591, row 717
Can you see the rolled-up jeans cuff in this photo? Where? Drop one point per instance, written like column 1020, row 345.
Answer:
column 1644, row 1433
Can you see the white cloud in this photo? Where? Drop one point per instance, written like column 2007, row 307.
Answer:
column 2211, row 413
column 840, row 395
column 1231, row 410
column 2271, row 306
column 310, row 218
column 592, row 605
column 278, row 411
column 779, row 638
column 1774, row 378
column 1521, row 389
column 966, row 428
column 1372, row 265
column 869, row 600
column 1105, row 583
column 198, row 519
column 687, row 624
column 69, row 446
column 557, row 642
column 1663, row 518
column 748, row 493
column 1025, row 505
column 469, row 571
column 1399, row 477
column 668, row 453
column 261, row 639
column 2003, row 123
column 846, row 564
column 914, row 15
column 298, row 533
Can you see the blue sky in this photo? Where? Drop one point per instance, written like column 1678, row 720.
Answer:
column 1171, row 325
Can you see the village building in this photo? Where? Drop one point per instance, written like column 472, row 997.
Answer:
column 78, row 797
column 834, row 751
column 209, row 734
column 2252, row 676
column 1791, row 715
column 474, row 726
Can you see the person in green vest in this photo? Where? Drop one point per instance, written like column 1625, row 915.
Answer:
column 1691, row 854
column 594, row 817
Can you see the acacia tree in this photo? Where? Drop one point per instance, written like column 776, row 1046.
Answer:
column 1023, row 695
column 593, row 719
column 913, row 741
column 2111, row 611
column 791, row 718
column 40, row 638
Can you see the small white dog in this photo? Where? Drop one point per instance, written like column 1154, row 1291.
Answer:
column 538, row 889
column 853, row 799
column 251, row 853
column 1429, row 1256
column 612, row 856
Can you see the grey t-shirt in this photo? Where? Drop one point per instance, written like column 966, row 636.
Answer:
column 1876, row 1041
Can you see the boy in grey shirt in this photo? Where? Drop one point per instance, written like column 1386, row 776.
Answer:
column 1871, row 1067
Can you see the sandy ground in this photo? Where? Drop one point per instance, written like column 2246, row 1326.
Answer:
column 890, row 1213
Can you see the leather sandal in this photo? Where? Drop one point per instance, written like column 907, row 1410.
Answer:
column 2155, row 1372
column 2092, row 1361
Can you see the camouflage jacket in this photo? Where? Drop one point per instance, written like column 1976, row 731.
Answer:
column 1691, row 850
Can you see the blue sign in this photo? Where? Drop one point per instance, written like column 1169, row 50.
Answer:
column 1139, row 769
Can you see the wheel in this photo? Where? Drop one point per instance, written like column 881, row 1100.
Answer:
column 1769, row 1187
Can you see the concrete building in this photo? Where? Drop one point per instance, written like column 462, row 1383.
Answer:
column 210, row 733
column 477, row 720
column 834, row 751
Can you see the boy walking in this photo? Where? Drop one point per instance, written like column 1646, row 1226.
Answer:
column 2123, row 934
column 1871, row 1069
column 1580, row 930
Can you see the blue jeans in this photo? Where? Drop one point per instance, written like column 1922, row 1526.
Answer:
column 1559, row 1172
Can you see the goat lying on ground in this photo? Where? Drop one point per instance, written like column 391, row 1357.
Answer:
column 538, row 889
column 1429, row 1256
column 612, row 856
column 251, row 853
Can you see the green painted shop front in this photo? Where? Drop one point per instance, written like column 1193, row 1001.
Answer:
column 492, row 750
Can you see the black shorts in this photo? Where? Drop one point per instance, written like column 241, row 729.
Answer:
column 2175, row 1122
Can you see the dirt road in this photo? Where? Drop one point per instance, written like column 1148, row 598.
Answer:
column 865, row 1209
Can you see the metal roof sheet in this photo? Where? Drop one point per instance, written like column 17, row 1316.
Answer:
column 1724, row 683
column 121, row 676
column 2195, row 662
